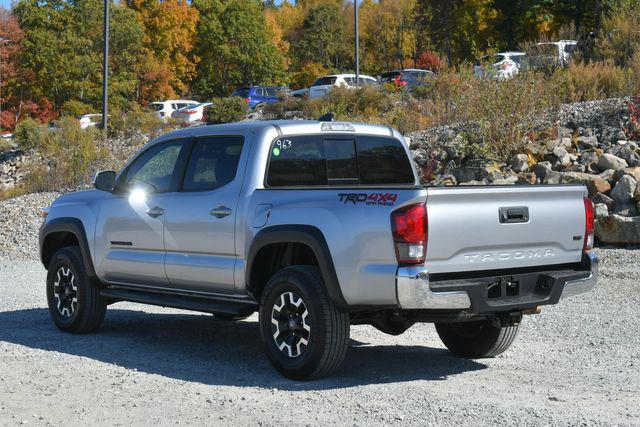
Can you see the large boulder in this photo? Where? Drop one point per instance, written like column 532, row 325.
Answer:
column 618, row 229
column 420, row 157
column 587, row 142
column 541, row 169
column 604, row 200
column 624, row 190
column 609, row 161
column 563, row 156
column 594, row 183
column 634, row 172
column 520, row 163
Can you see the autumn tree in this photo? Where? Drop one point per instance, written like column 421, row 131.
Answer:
column 169, row 28
column 458, row 29
column 388, row 34
column 234, row 47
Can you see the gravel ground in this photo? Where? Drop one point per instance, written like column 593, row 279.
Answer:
column 576, row 363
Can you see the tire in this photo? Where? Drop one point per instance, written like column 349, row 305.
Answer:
column 75, row 304
column 295, row 296
column 476, row 339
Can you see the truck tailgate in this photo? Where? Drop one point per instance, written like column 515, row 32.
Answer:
column 491, row 227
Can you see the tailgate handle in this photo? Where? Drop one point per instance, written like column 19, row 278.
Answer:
column 510, row 215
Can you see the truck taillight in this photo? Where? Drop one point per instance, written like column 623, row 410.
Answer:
column 410, row 229
column 589, row 230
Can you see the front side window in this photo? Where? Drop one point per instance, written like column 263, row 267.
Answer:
column 155, row 167
column 213, row 163
column 319, row 160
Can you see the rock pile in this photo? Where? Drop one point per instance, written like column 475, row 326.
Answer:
column 590, row 147
column 14, row 167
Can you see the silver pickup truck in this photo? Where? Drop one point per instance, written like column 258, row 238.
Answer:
column 316, row 226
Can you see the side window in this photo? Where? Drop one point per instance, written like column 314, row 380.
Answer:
column 213, row 163
column 155, row 167
column 271, row 91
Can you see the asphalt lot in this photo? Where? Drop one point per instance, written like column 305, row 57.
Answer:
column 576, row 363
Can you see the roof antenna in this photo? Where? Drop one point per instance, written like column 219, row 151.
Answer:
column 328, row 117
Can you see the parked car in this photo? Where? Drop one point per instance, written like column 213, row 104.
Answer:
column 500, row 66
column 164, row 109
column 191, row 114
column 408, row 78
column 300, row 93
column 90, row 120
column 324, row 84
column 257, row 96
column 316, row 226
column 552, row 54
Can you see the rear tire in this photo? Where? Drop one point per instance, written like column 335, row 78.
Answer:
column 73, row 297
column 304, row 335
column 476, row 339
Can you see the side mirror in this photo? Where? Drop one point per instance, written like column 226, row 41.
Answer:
column 104, row 180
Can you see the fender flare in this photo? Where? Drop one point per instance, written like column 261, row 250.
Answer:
column 73, row 226
column 314, row 239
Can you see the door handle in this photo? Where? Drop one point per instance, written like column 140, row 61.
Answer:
column 155, row 212
column 220, row 212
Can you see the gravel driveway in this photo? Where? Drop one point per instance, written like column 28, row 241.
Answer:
column 576, row 363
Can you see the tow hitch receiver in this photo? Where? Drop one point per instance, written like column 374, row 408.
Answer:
column 503, row 287
column 510, row 318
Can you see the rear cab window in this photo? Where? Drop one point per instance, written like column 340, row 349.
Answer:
column 338, row 160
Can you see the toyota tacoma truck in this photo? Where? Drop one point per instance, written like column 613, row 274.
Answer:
column 316, row 226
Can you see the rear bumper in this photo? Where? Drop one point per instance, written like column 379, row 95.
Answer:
column 494, row 292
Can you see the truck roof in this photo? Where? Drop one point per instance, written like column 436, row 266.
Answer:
column 284, row 127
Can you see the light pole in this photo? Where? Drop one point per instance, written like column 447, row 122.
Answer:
column 2, row 40
column 357, row 44
column 105, row 69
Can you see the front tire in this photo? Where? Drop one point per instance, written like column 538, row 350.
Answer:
column 73, row 297
column 304, row 335
column 476, row 339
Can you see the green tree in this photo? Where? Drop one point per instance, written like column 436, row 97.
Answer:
column 323, row 37
column 234, row 47
column 63, row 50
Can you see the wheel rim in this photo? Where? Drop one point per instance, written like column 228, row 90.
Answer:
column 290, row 324
column 65, row 291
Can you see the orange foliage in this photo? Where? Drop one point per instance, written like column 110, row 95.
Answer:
column 169, row 35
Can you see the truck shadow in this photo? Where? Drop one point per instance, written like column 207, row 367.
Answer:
column 198, row 348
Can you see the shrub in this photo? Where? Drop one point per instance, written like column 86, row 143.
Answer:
column 30, row 133
column 75, row 108
column 121, row 124
column 597, row 80
column 226, row 110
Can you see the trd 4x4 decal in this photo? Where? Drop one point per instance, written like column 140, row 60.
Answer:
column 378, row 199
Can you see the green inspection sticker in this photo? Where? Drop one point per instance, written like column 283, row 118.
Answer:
column 276, row 151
